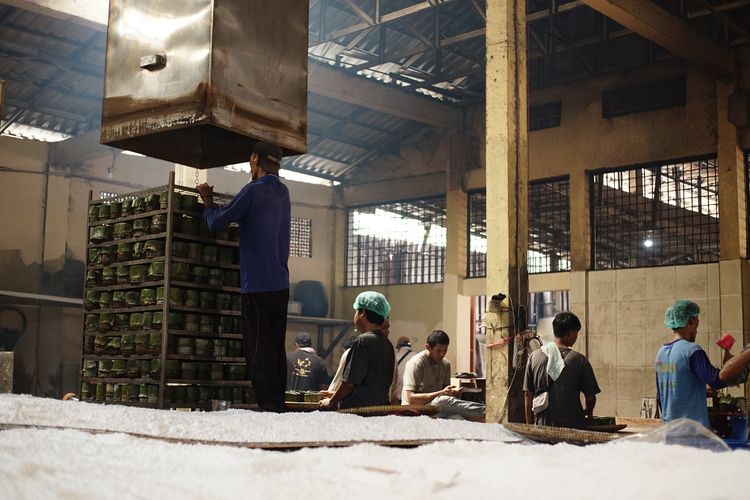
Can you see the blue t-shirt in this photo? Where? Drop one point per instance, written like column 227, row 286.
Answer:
column 682, row 372
column 263, row 210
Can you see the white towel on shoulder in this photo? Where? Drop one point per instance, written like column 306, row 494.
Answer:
column 555, row 363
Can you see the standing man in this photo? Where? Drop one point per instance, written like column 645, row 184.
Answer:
column 563, row 374
column 369, row 367
column 404, row 353
column 263, row 211
column 305, row 370
column 683, row 369
column 427, row 381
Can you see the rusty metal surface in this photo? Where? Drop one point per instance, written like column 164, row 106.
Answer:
column 200, row 82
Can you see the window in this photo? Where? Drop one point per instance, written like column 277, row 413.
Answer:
column 545, row 116
column 657, row 215
column 300, row 244
column 399, row 242
column 477, row 240
column 649, row 96
column 549, row 226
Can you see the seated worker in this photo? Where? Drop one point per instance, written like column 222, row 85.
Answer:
column 336, row 381
column 305, row 370
column 404, row 353
column 369, row 366
column 563, row 374
column 427, row 379
column 683, row 369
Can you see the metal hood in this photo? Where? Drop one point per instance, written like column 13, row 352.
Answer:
column 199, row 82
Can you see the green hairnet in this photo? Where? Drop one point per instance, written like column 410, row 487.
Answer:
column 679, row 313
column 373, row 301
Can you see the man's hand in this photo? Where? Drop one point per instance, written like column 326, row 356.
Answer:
column 206, row 193
column 451, row 391
column 326, row 393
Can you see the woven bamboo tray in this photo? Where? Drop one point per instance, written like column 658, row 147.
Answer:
column 402, row 410
column 544, row 434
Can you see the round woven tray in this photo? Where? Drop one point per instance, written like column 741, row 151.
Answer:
column 402, row 410
column 544, row 434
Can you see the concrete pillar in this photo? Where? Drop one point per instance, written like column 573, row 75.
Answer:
column 456, row 306
column 507, row 195
column 580, row 232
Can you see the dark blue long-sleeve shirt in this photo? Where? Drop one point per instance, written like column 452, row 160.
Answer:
column 263, row 210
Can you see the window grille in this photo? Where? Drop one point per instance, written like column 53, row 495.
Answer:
column 477, row 240
column 657, row 215
column 545, row 115
column 398, row 242
column 549, row 226
column 649, row 96
column 300, row 243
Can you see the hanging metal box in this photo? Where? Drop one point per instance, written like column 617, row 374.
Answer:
column 199, row 82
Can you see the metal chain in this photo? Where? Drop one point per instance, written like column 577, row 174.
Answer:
column 196, row 178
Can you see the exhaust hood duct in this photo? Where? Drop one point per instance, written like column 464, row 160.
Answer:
column 199, row 82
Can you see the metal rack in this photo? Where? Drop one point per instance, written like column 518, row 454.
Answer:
column 178, row 374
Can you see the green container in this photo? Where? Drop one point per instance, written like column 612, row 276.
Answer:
column 100, row 234
column 160, row 295
column 141, row 227
column 191, row 394
column 189, row 203
column 94, row 256
column 105, row 368
column 148, row 296
column 121, row 322
column 141, row 343
column 215, row 277
column 134, row 368
column 145, row 368
column 127, row 342
column 124, row 392
column 210, row 254
column 231, row 277
column 93, row 277
column 224, row 301
column 155, row 368
column 164, row 200
column 100, row 344
column 90, row 368
column 143, row 393
column 136, row 321
column 132, row 298
column 217, row 371
column 137, row 274
column 138, row 249
column 234, row 348
column 237, row 302
column 106, row 322
column 188, row 370
column 172, row 368
column 108, row 255
column 180, row 394
column 123, row 230
column 123, row 275
column 185, row 346
column 85, row 391
column 139, row 205
column 180, row 271
column 91, row 300
column 223, row 393
column 192, row 298
column 188, row 225
column 220, row 348
column 119, row 368
column 176, row 321
column 176, row 297
column 113, row 345
column 207, row 324
column 127, row 207
column 104, row 211
column 199, row 274
column 237, row 395
column 226, row 325
column 88, row 344
column 101, row 391
column 152, row 202
column 110, row 392
column 124, row 252
column 159, row 223
column 153, row 249
column 204, row 394
column 226, row 255
column 195, row 251
column 192, row 323
column 154, row 342
column 207, row 299
column 249, row 395
column 115, row 210
column 148, row 320
column 93, row 213
column 156, row 323
column 109, row 276
column 156, row 271
column 179, row 249
column 133, row 392
column 204, row 371
column 118, row 299
column 204, row 347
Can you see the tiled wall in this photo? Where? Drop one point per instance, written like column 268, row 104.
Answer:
column 623, row 311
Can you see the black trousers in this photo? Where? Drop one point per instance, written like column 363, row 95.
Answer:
column 263, row 339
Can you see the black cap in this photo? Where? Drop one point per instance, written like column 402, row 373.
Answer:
column 303, row 339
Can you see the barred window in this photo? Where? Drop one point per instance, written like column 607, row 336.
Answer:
column 549, row 226
column 300, row 243
column 657, row 215
column 477, row 240
column 398, row 242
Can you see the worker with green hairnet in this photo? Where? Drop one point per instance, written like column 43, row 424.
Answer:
column 369, row 366
column 683, row 369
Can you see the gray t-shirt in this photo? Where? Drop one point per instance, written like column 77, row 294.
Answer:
column 369, row 366
column 422, row 375
column 577, row 377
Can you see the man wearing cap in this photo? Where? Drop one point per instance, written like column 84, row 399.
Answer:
column 683, row 369
column 263, row 211
column 305, row 370
column 404, row 353
column 369, row 367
